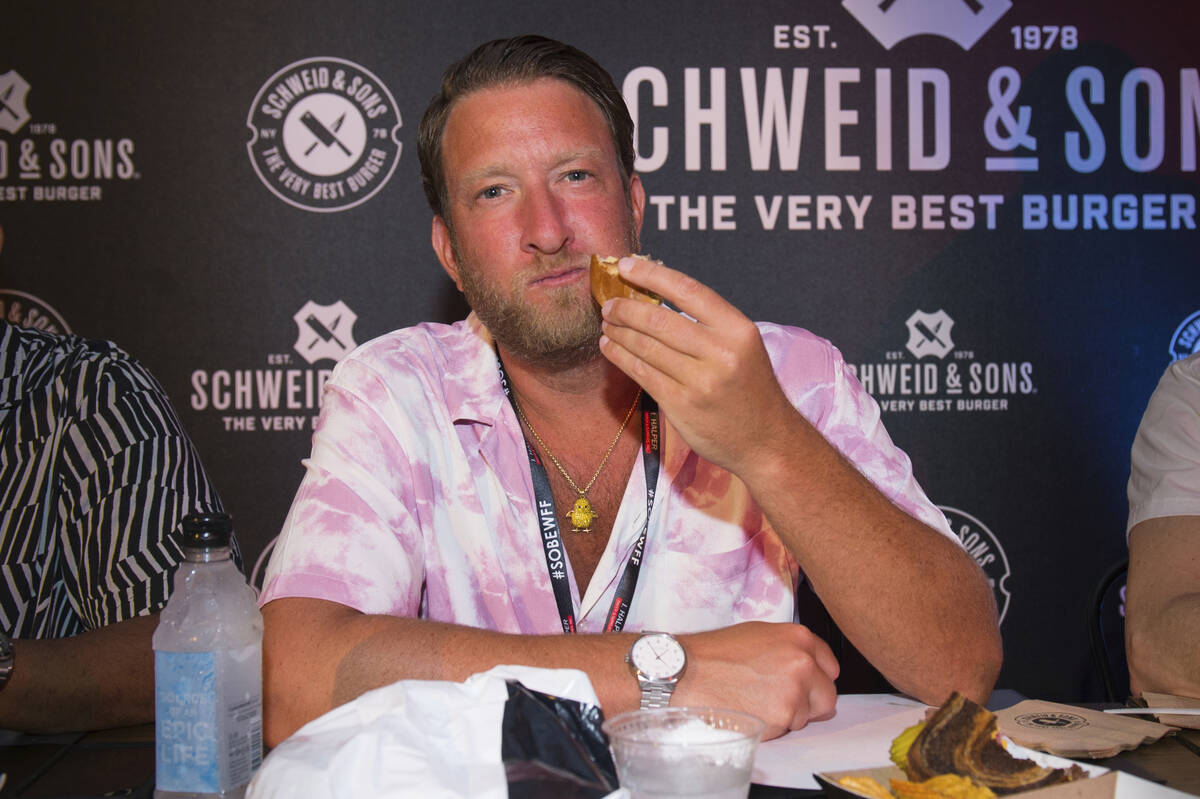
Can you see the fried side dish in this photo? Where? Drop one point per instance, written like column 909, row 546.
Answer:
column 946, row 786
column 867, row 786
column 960, row 738
column 943, row 786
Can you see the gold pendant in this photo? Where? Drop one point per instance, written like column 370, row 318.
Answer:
column 582, row 516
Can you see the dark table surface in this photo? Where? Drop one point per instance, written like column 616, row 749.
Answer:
column 117, row 762
column 120, row 763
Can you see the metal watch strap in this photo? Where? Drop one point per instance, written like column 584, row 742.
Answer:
column 656, row 695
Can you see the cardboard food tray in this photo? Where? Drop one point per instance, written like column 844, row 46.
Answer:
column 1100, row 784
column 1101, row 787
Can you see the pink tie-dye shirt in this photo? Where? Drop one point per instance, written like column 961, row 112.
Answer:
column 417, row 499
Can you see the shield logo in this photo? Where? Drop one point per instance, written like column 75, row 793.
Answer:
column 324, row 331
column 13, row 114
column 1186, row 340
column 982, row 545
column 28, row 310
column 961, row 21
column 929, row 334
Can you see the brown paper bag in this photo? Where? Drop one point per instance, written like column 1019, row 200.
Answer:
column 1171, row 700
column 1070, row 731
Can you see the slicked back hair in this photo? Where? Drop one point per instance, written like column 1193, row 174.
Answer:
column 513, row 62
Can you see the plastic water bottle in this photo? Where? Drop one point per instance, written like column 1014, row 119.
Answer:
column 207, row 671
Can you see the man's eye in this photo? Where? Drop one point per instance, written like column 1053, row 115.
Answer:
column 491, row 192
column 577, row 175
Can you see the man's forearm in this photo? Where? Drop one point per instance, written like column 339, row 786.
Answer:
column 318, row 655
column 98, row 679
column 1162, row 649
column 910, row 599
column 1162, row 606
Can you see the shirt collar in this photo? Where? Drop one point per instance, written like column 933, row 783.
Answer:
column 12, row 356
column 473, row 391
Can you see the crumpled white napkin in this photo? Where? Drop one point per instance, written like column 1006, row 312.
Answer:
column 412, row 738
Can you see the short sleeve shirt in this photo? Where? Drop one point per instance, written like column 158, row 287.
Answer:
column 418, row 501
column 1164, row 475
column 96, row 473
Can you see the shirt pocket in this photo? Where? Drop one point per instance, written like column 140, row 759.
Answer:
column 718, row 568
column 695, row 591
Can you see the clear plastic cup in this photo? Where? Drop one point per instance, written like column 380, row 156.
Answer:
column 696, row 752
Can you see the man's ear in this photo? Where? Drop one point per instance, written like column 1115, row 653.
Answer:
column 637, row 201
column 440, row 238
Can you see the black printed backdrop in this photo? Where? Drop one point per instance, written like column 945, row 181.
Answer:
column 990, row 207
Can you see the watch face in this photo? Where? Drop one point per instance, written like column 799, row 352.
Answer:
column 657, row 657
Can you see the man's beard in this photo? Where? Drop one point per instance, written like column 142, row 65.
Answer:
column 567, row 333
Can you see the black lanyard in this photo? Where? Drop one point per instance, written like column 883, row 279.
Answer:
column 552, row 546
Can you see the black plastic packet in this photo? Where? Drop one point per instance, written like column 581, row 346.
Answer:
column 554, row 747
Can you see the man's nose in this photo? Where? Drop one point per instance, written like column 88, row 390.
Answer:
column 546, row 228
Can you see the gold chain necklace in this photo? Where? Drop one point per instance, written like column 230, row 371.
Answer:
column 582, row 515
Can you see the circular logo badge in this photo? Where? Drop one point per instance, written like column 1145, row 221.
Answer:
column 26, row 310
column 324, row 134
column 1186, row 340
column 1053, row 721
column 982, row 545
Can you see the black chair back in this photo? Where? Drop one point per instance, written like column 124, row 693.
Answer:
column 1106, row 631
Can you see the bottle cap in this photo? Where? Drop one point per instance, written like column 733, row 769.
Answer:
column 207, row 530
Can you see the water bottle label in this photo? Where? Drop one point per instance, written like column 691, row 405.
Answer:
column 208, row 716
column 185, row 711
column 241, row 694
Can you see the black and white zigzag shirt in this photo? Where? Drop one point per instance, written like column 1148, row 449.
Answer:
column 96, row 473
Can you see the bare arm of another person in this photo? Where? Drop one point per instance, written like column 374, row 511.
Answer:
column 98, row 679
column 1162, row 606
column 319, row 654
column 909, row 598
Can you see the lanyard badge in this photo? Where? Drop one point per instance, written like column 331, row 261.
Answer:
column 548, row 530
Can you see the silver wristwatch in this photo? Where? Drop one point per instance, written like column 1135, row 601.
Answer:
column 6, row 659
column 658, row 661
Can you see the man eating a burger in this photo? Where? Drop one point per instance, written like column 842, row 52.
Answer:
column 551, row 479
